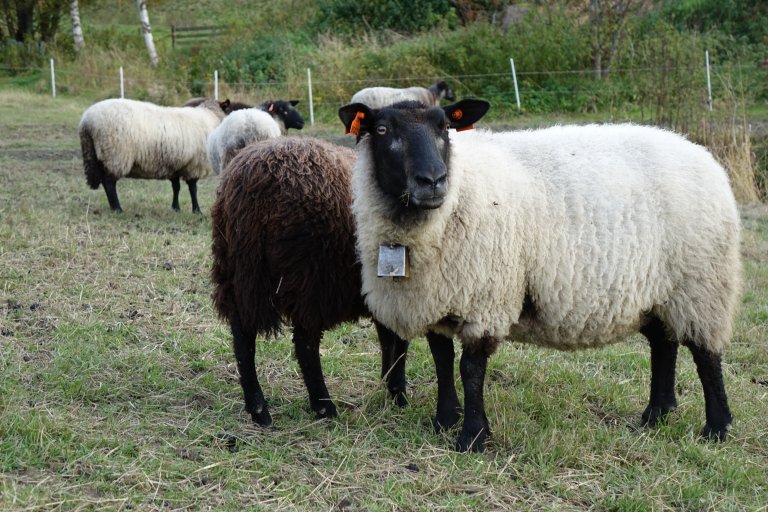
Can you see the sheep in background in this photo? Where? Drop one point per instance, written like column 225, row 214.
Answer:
column 284, row 113
column 569, row 237
column 265, row 121
column 380, row 97
column 283, row 251
column 227, row 106
column 236, row 131
column 123, row 138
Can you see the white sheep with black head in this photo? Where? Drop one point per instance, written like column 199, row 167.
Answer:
column 267, row 120
column 123, row 138
column 568, row 237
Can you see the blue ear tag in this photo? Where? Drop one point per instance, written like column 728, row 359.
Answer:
column 393, row 261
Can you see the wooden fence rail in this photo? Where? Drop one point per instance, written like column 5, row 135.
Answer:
column 194, row 36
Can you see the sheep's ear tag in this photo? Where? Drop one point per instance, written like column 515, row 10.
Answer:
column 271, row 107
column 354, row 126
column 456, row 115
column 393, row 261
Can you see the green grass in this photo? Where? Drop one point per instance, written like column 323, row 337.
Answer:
column 118, row 387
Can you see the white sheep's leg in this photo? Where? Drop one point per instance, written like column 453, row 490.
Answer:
column 476, row 430
column 307, row 347
column 393, row 352
column 663, row 361
column 110, row 187
column 448, row 406
column 176, row 186
column 244, row 344
column 192, row 185
column 719, row 418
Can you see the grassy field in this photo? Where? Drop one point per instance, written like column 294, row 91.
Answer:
column 118, row 388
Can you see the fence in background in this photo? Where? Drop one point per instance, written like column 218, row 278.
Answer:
column 194, row 36
column 508, row 90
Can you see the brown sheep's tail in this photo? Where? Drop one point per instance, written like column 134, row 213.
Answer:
column 254, row 314
column 94, row 169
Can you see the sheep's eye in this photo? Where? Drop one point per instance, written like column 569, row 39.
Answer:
column 381, row 129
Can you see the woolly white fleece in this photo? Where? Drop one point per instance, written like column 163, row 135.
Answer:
column 380, row 97
column 236, row 131
column 598, row 225
column 136, row 139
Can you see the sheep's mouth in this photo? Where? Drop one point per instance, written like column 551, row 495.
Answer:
column 428, row 201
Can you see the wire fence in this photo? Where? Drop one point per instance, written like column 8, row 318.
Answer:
column 326, row 92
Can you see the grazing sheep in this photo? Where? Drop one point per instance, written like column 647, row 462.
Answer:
column 236, row 131
column 227, row 106
column 283, row 251
column 568, row 237
column 379, row 97
column 123, row 138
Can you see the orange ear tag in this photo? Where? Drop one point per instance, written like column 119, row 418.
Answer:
column 456, row 115
column 354, row 127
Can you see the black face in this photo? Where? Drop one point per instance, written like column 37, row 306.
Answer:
column 285, row 111
column 446, row 91
column 410, row 149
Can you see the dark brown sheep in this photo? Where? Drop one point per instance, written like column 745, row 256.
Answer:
column 227, row 106
column 284, row 251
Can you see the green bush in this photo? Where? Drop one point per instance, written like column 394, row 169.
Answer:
column 356, row 17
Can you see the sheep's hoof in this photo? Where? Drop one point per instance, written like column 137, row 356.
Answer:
column 400, row 399
column 325, row 409
column 262, row 417
column 654, row 416
column 472, row 441
column 715, row 434
column 446, row 420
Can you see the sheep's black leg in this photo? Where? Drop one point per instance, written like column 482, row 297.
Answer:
column 192, row 185
column 663, row 360
column 393, row 352
column 176, row 186
column 719, row 418
column 244, row 344
column 109, row 183
column 307, row 346
column 448, row 406
column 475, row 431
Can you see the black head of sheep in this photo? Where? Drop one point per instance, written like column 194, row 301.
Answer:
column 284, row 112
column 410, row 147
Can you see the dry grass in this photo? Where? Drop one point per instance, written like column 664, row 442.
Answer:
column 118, row 389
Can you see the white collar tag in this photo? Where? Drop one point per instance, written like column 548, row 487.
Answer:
column 393, row 261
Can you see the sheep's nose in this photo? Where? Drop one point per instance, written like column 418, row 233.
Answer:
column 433, row 180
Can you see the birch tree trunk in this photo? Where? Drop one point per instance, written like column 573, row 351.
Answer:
column 77, row 30
column 147, row 31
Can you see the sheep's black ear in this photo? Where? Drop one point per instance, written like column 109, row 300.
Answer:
column 464, row 114
column 224, row 104
column 294, row 102
column 357, row 118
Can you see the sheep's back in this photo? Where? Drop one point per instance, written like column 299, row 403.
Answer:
column 379, row 97
column 236, row 131
column 283, row 236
